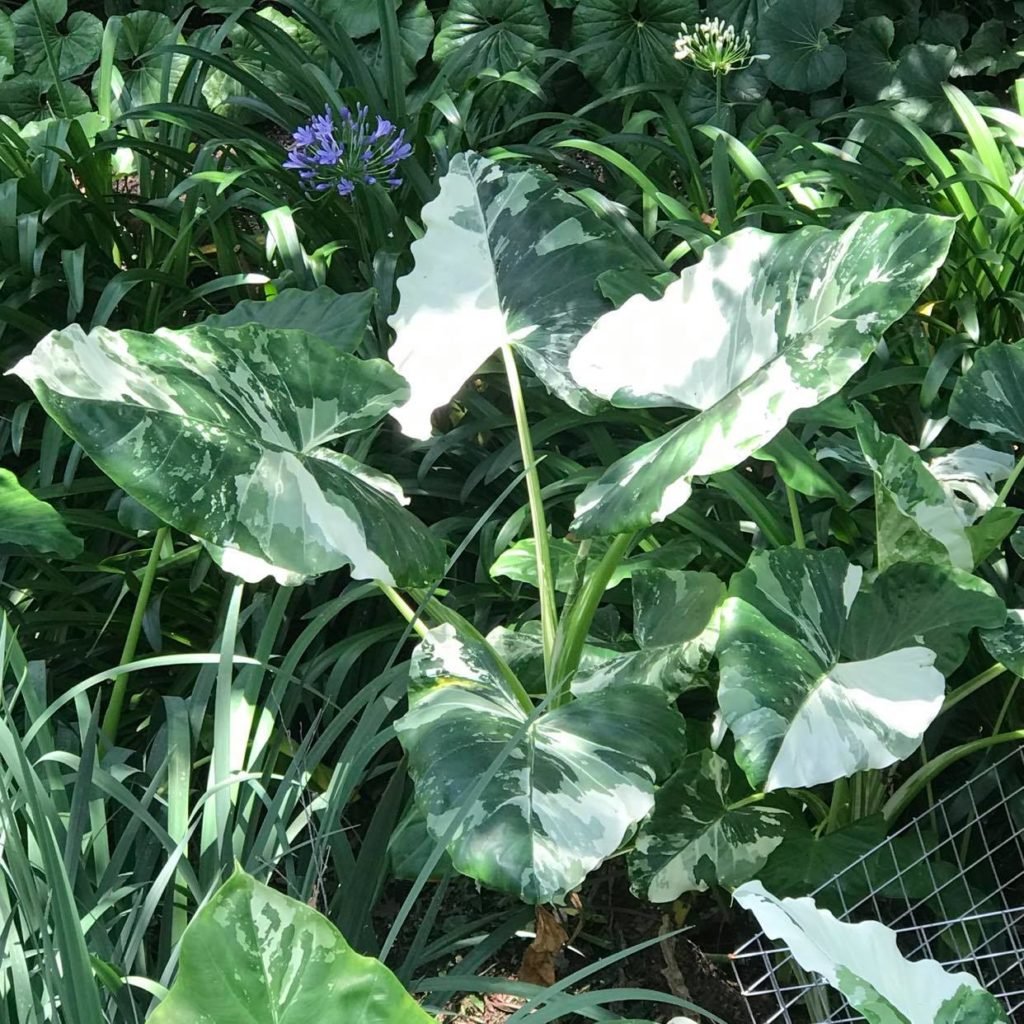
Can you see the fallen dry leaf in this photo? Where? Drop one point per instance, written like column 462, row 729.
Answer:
column 538, row 966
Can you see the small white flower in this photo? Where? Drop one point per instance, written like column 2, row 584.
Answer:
column 714, row 46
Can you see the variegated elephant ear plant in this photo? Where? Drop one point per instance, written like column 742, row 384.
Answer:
column 539, row 752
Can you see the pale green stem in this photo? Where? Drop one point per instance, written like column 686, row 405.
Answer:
column 754, row 798
column 576, row 620
column 794, row 515
column 112, row 719
column 1004, row 492
column 545, row 583
column 904, row 796
column 966, row 689
column 404, row 609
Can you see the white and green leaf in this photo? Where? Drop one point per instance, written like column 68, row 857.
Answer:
column 863, row 961
column 989, row 397
column 675, row 616
column 224, row 433
column 916, row 520
column 573, row 783
column 763, row 326
column 696, row 838
column 508, row 258
column 800, row 716
column 252, row 955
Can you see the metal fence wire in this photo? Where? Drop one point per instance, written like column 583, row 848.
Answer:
column 950, row 884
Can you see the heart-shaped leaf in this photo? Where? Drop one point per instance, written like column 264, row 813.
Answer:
column 864, row 963
column 1006, row 642
column 254, row 956
column 626, row 42
column 989, row 397
column 675, row 626
column 762, row 326
column 356, row 18
column 970, row 477
column 498, row 35
column 339, row 320
column 802, row 56
column 222, row 433
column 696, row 837
column 576, row 780
column 27, row 522
column 912, row 603
column 507, row 258
column 415, row 34
column 916, row 521
column 799, row 715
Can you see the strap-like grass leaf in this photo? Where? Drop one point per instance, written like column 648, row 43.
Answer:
column 801, row 716
column 762, row 326
column 254, row 956
column 223, row 434
column 578, row 778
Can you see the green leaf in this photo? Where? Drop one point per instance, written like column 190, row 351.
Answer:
column 578, row 778
column 801, row 470
column 254, row 956
column 990, row 52
column 970, row 476
column 357, row 18
column 802, row 57
column 743, row 15
column 801, row 716
column 694, row 839
column 626, row 42
column 140, row 71
column 411, row 845
column 28, row 98
column 499, row 35
column 6, row 45
column 916, row 521
column 338, row 320
column 675, row 626
column 27, row 522
column 864, row 963
column 507, row 258
column 911, row 80
column 415, row 34
column 222, row 433
column 1006, row 642
column 519, row 561
column 762, row 326
column 73, row 49
column 911, row 603
column 989, row 397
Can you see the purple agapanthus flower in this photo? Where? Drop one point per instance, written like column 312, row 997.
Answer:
column 339, row 154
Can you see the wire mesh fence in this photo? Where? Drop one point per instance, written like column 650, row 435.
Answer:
column 950, row 883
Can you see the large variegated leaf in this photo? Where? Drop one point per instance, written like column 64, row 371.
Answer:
column 762, row 326
column 970, row 476
column 863, row 961
column 507, row 258
column 916, row 520
column 574, row 783
column 675, row 617
column 695, row 838
column 222, row 433
column 915, row 603
column 990, row 396
column 799, row 715
column 1006, row 642
column 254, row 956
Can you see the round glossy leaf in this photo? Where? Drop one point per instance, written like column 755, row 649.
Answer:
column 40, row 39
column 415, row 33
column 223, row 434
column 575, row 781
column 626, row 42
column 141, row 73
column 254, row 956
column 802, row 56
column 29, row 98
column 499, row 35
column 357, row 18
column 763, row 326
column 801, row 716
